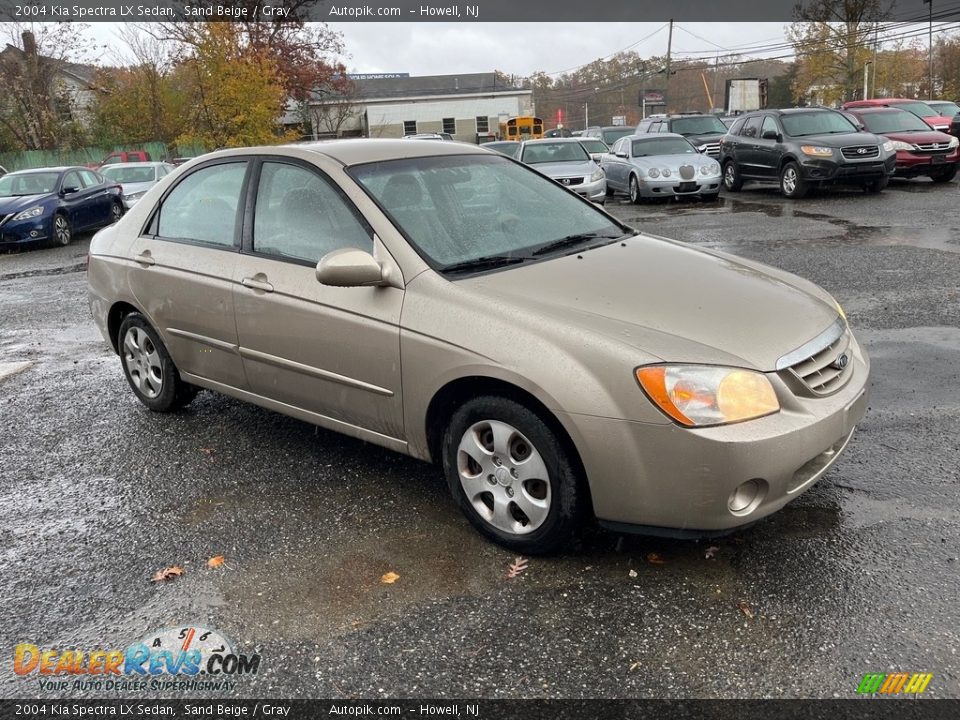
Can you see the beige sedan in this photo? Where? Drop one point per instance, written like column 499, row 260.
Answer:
column 447, row 302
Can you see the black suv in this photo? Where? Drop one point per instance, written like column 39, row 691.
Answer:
column 802, row 148
column 702, row 130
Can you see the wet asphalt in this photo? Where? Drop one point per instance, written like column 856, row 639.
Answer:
column 860, row 574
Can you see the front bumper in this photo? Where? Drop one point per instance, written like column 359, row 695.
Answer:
column 674, row 185
column 910, row 164
column 663, row 476
column 595, row 191
column 24, row 232
column 831, row 171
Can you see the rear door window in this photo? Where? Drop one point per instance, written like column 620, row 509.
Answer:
column 204, row 205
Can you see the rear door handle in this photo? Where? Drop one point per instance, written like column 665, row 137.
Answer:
column 144, row 258
column 257, row 284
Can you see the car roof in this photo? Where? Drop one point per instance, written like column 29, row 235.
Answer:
column 58, row 169
column 647, row 136
column 877, row 109
column 149, row 163
column 357, row 151
column 552, row 140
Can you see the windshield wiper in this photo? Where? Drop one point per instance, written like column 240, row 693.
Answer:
column 487, row 262
column 572, row 240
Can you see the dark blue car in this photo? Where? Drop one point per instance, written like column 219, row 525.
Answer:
column 51, row 204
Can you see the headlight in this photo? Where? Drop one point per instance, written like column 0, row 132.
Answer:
column 954, row 142
column 653, row 172
column 840, row 310
column 897, row 145
column 135, row 196
column 597, row 175
column 816, row 150
column 699, row 395
column 711, row 169
column 29, row 213
column 665, row 172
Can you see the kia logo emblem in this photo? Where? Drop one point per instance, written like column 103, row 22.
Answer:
column 841, row 362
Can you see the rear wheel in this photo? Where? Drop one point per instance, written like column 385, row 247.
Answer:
column 945, row 175
column 511, row 476
column 792, row 184
column 635, row 197
column 731, row 177
column 62, row 232
column 149, row 369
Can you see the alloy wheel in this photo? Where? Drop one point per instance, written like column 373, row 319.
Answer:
column 634, row 190
column 789, row 181
column 61, row 229
column 142, row 362
column 504, row 477
column 729, row 176
column 116, row 212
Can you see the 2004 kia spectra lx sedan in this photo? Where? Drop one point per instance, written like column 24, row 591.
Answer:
column 447, row 302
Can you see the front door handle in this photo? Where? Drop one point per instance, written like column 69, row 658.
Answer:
column 145, row 259
column 257, row 284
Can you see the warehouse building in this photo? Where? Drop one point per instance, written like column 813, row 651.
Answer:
column 468, row 106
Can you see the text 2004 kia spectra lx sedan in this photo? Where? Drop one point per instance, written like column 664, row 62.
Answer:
column 448, row 302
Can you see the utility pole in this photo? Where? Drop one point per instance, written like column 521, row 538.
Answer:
column 930, row 51
column 667, row 84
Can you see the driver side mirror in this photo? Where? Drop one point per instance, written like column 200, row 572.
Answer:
column 771, row 135
column 69, row 190
column 349, row 267
column 620, row 154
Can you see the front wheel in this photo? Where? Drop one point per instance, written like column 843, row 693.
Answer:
column 877, row 185
column 149, row 369
column 62, row 232
column 511, row 476
column 945, row 176
column 635, row 197
column 116, row 212
column 792, row 184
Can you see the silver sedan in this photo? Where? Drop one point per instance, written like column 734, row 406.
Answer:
column 566, row 161
column 659, row 165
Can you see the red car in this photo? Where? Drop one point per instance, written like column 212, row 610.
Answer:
column 920, row 150
column 917, row 107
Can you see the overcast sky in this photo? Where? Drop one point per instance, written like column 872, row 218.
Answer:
column 519, row 48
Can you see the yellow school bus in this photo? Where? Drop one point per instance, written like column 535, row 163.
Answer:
column 522, row 127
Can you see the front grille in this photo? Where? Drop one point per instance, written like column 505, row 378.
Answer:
column 570, row 180
column 825, row 364
column 933, row 147
column 711, row 149
column 687, row 172
column 860, row 152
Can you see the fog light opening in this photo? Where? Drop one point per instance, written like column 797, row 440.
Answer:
column 747, row 496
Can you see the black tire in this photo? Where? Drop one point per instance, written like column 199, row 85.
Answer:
column 710, row 197
column 565, row 492
column 877, row 185
column 634, row 190
column 156, row 383
column 116, row 212
column 62, row 230
column 610, row 191
column 792, row 183
column 732, row 181
column 946, row 175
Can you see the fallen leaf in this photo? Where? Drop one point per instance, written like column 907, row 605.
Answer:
column 207, row 451
column 632, row 573
column 168, row 573
column 634, row 666
column 517, row 566
column 656, row 559
column 745, row 609
column 711, row 552
column 389, row 578
column 216, row 561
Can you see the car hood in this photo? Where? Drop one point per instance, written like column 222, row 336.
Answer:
column 839, row 140
column 674, row 162
column 706, row 138
column 18, row 204
column 671, row 301
column 564, row 169
column 931, row 136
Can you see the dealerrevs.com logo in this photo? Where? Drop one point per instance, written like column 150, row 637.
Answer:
column 894, row 683
column 184, row 658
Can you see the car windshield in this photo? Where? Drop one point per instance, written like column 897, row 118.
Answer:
column 815, row 123
column 946, row 109
column 458, row 209
column 553, row 152
column 662, row 146
column 35, row 183
column 130, row 175
column 611, row 136
column 918, row 108
column 511, row 149
column 594, row 146
column 894, row 121
column 698, row 126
